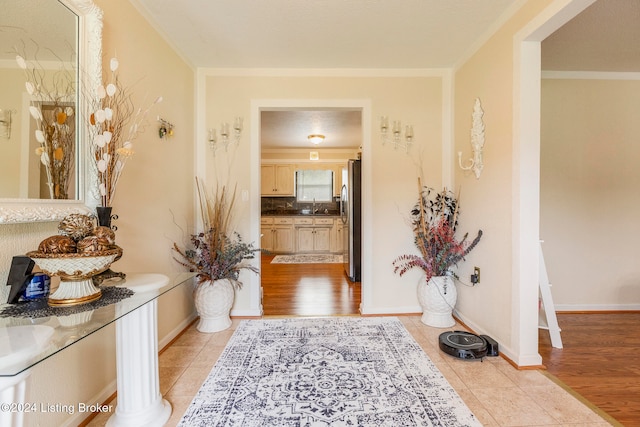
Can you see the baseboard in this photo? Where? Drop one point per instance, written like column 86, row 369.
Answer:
column 104, row 397
column 246, row 313
column 162, row 343
column 519, row 361
column 597, row 307
column 382, row 311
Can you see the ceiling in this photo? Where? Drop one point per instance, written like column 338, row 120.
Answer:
column 323, row 33
column 365, row 34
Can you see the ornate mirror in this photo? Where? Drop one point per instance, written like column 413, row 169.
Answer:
column 61, row 45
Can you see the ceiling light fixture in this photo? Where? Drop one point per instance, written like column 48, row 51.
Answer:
column 315, row 138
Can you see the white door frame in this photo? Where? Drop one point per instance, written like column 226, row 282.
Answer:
column 364, row 105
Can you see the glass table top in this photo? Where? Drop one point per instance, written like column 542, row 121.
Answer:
column 25, row 342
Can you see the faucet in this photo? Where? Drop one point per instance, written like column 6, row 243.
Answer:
column 313, row 206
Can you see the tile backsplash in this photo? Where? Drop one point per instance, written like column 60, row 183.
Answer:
column 289, row 204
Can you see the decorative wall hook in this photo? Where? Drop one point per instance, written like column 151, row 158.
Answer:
column 225, row 135
column 396, row 134
column 166, row 128
column 477, row 142
column 5, row 121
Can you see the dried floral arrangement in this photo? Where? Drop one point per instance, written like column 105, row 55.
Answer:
column 434, row 219
column 114, row 123
column 53, row 104
column 217, row 252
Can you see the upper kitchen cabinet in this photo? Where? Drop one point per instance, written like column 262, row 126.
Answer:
column 337, row 178
column 277, row 180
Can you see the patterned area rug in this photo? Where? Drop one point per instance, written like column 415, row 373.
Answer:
column 341, row 371
column 307, row 259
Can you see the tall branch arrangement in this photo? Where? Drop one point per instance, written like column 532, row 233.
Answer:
column 217, row 252
column 53, row 108
column 434, row 219
column 114, row 122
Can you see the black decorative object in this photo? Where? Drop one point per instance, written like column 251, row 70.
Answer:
column 19, row 276
column 104, row 216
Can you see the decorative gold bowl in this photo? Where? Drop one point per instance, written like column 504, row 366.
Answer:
column 75, row 271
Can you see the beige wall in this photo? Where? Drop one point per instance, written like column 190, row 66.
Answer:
column 589, row 192
column 488, row 203
column 390, row 175
column 154, row 203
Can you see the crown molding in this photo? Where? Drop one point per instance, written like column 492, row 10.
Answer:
column 590, row 75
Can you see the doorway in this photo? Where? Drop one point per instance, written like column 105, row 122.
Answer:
column 305, row 289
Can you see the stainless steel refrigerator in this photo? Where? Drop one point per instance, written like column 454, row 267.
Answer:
column 351, row 213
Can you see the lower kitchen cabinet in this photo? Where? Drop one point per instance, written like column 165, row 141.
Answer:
column 277, row 234
column 301, row 234
column 312, row 239
column 337, row 237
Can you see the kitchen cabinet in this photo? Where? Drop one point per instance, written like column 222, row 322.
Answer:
column 277, row 180
column 313, row 234
column 337, row 237
column 313, row 239
column 337, row 178
column 277, row 234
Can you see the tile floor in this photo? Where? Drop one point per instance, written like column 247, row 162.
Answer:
column 497, row 393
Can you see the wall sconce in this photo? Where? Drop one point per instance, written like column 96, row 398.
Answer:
column 166, row 128
column 225, row 135
column 315, row 138
column 395, row 137
column 5, row 122
column 477, row 142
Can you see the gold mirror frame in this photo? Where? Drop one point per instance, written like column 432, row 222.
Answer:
column 90, row 75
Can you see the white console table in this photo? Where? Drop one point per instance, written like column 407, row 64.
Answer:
column 139, row 400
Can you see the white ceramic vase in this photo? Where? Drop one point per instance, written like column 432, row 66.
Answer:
column 214, row 300
column 437, row 299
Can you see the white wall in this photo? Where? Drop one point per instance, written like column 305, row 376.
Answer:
column 589, row 192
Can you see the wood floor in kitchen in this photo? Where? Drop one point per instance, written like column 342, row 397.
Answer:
column 307, row 290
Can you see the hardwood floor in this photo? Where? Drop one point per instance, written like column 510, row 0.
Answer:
column 307, row 290
column 599, row 360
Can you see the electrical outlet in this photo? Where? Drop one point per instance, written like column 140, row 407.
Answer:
column 475, row 277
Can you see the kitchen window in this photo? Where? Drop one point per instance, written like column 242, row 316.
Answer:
column 314, row 185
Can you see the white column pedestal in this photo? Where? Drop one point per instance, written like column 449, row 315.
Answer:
column 139, row 400
column 18, row 345
column 12, row 392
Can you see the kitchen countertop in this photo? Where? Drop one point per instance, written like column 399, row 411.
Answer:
column 299, row 212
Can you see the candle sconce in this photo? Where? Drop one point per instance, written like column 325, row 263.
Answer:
column 396, row 137
column 477, row 142
column 5, row 121
column 166, row 128
column 227, row 136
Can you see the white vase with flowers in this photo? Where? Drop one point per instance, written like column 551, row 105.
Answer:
column 434, row 220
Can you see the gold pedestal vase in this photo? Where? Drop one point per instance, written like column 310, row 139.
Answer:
column 214, row 300
column 437, row 297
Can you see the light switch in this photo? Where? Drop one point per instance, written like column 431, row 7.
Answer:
column 245, row 195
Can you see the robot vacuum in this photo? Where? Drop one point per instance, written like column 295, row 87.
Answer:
column 463, row 345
